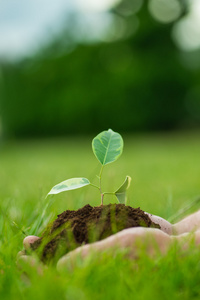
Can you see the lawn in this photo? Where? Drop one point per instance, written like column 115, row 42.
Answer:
column 165, row 171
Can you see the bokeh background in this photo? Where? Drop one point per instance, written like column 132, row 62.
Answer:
column 71, row 69
column 78, row 67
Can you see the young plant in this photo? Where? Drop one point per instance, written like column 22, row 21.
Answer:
column 107, row 147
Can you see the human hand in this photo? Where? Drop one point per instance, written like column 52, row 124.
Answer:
column 24, row 259
column 123, row 239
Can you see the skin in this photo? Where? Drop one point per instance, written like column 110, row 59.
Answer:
column 152, row 239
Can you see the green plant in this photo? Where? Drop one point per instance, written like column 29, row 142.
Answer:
column 107, row 147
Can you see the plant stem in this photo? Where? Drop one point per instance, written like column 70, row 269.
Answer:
column 102, row 196
column 94, row 185
column 100, row 187
column 105, row 193
column 109, row 193
column 100, row 174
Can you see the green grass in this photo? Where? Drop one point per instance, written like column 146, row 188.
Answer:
column 165, row 171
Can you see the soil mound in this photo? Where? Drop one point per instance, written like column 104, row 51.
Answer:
column 86, row 225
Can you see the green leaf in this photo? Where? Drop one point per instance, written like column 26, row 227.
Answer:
column 107, row 146
column 121, row 192
column 70, row 184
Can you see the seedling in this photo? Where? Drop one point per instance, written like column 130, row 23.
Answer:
column 107, row 147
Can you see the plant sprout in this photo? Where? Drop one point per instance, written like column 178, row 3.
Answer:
column 107, row 147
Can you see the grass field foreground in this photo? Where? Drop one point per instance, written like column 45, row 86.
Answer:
column 165, row 171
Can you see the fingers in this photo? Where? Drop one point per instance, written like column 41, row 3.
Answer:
column 26, row 243
column 133, row 239
column 188, row 238
column 29, row 240
column 29, row 261
column 189, row 223
column 165, row 226
column 21, row 253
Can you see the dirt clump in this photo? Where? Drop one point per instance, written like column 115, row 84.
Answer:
column 73, row 228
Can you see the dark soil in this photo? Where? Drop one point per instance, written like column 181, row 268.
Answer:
column 85, row 225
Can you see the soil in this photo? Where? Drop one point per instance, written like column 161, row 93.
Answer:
column 73, row 228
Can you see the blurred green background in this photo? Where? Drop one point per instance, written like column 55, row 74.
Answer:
column 139, row 72
column 129, row 65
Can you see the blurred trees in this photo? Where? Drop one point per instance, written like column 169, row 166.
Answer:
column 135, row 82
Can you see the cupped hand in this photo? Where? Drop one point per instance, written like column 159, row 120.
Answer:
column 126, row 238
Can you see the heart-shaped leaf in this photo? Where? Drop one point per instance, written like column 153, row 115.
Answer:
column 70, row 184
column 107, row 146
column 121, row 192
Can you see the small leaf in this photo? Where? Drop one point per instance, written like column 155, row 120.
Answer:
column 70, row 184
column 121, row 192
column 107, row 146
